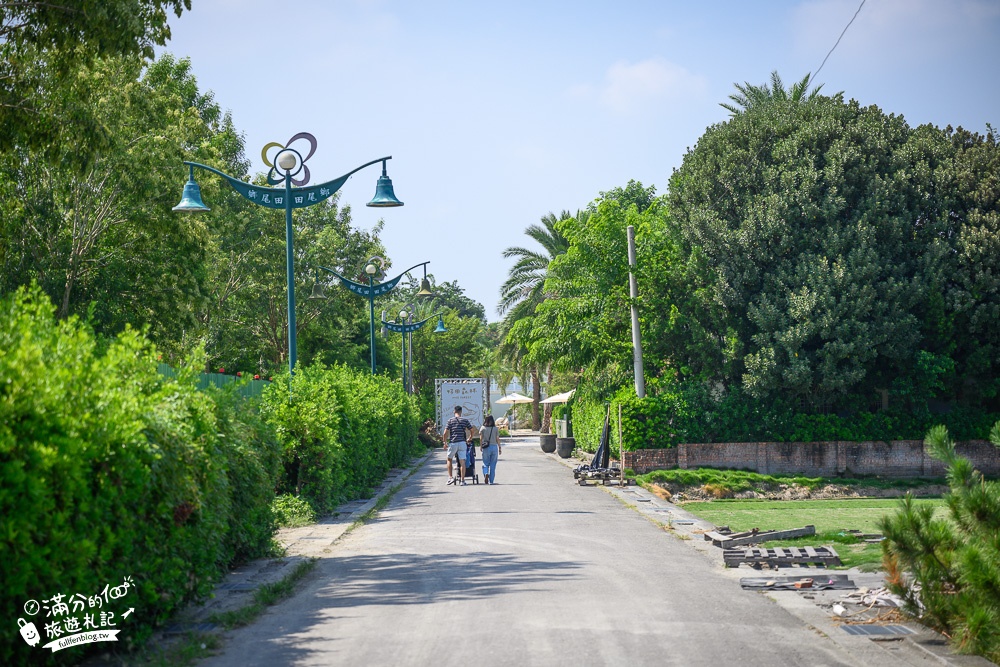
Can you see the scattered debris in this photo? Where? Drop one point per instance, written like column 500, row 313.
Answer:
column 877, row 630
column 825, row 582
column 871, row 538
column 799, row 492
column 877, row 597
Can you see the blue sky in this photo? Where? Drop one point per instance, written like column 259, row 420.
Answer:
column 498, row 113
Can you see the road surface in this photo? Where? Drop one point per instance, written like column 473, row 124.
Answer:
column 534, row 570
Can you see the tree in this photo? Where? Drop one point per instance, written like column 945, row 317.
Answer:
column 489, row 365
column 523, row 291
column 104, row 238
column 952, row 567
column 963, row 324
column 42, row 42
column 633, row 194
column 448, row 355
column 446, row 296
column 248, row 321
column 526, row 279
column 750, row 97
column 586, row 325
column 814, row 230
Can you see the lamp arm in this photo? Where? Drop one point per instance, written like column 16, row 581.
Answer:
column 423, row 322
column 410, row 269
column 316, row 193
column 213, row 170
column 328, row 270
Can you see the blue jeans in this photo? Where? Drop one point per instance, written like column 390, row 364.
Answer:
column 490, row 456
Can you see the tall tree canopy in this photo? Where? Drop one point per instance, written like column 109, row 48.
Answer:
column 41, row 42
column 105, row 235
column 834, row 239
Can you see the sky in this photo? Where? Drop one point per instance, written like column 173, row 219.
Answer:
column 498, row 113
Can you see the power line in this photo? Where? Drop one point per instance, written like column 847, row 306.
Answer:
column 838, row 39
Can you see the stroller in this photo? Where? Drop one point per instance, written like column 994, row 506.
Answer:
column 599, row 468
column 470, row 463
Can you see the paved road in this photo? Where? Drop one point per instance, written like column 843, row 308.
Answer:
column 532, row 571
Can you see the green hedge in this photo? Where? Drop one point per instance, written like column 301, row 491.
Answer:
column 253, row 466
column 110, row 470
column 341, row 434
column 671, row 414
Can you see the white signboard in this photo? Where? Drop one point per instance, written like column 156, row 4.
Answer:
column 470, row 393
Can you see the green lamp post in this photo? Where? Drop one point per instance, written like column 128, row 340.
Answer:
column 406, row 327
column 289, row 168
column 372, row 268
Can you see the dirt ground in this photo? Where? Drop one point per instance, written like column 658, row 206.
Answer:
column 791, row 492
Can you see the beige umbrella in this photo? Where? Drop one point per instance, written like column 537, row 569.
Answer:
column 515, row 398
column 560, row 398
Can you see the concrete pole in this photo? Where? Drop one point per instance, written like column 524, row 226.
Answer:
column 621, row 450
column 633, row 292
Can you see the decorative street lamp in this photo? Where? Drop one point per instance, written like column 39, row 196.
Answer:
column 406, row 327
column 286, row 168
column 372, row 267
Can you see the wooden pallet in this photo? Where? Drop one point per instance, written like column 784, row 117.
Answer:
column 727, row 540
column 778, row 556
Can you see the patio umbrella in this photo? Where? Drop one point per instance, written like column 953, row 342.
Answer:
column 560, row 398
column 515, row 398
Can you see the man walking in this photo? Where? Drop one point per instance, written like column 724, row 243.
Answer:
column 457, row 432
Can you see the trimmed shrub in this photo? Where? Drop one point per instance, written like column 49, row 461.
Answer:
column 341, row 433
column 292, row 511
column 109, row 470
column 253, row 467
column 675, row 413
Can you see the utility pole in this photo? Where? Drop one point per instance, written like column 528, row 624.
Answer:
column 633, row 292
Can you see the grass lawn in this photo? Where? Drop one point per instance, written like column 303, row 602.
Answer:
column 831, row 517
column 827, row 515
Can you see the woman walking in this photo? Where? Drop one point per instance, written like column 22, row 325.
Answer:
column 489, row 438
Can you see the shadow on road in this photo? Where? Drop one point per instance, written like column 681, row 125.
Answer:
column 424, row 579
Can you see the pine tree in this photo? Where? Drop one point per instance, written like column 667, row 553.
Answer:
column 952, row 567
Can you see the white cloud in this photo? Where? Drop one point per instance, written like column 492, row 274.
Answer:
column 630, row 87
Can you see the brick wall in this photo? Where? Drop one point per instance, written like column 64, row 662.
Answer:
column 897, row 459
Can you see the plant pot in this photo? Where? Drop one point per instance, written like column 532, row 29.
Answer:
column 548, row 442
column 564, row 447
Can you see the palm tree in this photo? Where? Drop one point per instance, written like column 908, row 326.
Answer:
column 526, row 279
column 751, row 97
column 524, row 290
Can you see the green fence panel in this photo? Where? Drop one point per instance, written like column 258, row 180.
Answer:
column 249, row 389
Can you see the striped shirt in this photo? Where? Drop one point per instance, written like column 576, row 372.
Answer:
column 456, row 428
